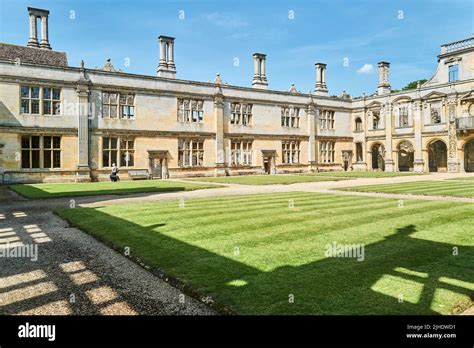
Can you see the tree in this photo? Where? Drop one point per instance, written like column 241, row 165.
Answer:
column 413, row 84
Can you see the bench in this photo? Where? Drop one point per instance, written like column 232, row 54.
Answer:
column 138, row 174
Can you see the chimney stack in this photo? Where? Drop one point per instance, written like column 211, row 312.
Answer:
column 166, row 67
column 384, row 85
column 320, row 88
column 34, row 14
column 259, row 77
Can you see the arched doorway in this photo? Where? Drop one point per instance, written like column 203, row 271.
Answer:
column 378, row 157
column 438, row 156
column 405, row 156
column 469, row 156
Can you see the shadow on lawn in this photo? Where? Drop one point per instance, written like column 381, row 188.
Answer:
column 327, row 286
column 35, row 192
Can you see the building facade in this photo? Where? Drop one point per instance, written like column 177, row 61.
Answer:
column 65, row 123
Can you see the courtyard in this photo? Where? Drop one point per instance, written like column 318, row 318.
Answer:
column 252, row 246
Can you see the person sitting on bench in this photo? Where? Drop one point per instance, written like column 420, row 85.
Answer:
column 114, row 175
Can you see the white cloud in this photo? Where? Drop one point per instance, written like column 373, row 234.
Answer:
column 366, row 69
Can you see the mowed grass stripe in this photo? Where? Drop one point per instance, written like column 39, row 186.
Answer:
column 435, row 188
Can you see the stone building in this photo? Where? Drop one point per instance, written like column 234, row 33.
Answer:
column 65, row 123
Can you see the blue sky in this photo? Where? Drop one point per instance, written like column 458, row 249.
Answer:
column 406, row 33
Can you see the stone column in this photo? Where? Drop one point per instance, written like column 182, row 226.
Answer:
column 33, row 41
column 259, row 75
column 44, row 33
column 83, row 168
column 389, row 163
column 263, row 75
column 171, row 64
column 320, row 87
column 219, row 129
column 311, row 111
column 162, row 62
column 418, row 163
column 453, row 162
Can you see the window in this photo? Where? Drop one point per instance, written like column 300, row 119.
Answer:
column 127, row 105
column 241, row 114
column 109, row 151
column 326, row 119
column 109, row 105
column 375, row 119
column 358, row 125
column 114, row 149
column 403, row 116
column 453, row 73
column 127, row 153
column 290, row 117
column 51, row 101
column 40, row 152
column 190, row 153
column 291, row 152
column 241, row 152
column 327, row 151
column 30, row 100
column 359, row 152
column 190, row 110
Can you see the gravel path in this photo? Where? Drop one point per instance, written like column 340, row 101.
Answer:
column 75, row 274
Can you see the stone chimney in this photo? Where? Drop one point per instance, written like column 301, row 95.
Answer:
column 34, row 14
column 166, row 67
column 384, row 85
column 321, row 88
column 259, row 77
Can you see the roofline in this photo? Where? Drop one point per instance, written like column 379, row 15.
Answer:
column 182, row 81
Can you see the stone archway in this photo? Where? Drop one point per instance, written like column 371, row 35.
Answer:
column 438, row 156
column 405, row 156
column 469, row 156
column 378, row 157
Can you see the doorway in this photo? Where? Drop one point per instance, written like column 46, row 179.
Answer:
column 438, row 157
column 268, row 159
column 469, row 156
column 158, row 164
column 378, row 154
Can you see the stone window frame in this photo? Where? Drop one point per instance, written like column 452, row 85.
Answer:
column 119, row 150
column 327, row 151
column 327, row 119
column 241, row 114
column 40, row 101
column 189, row 152
column 376, row 118
column 358, row 124
column 290, row 116
column 241, row 151
column 403, row 118
column 53, row 151
column 290, row 151
column 190, row 110
column 108, row 104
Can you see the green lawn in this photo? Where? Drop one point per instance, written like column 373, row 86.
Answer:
column 103, row 188
column 468, row 178
column 267, row 179
column 265, row 254
column 434, row 188
column 357, row 174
